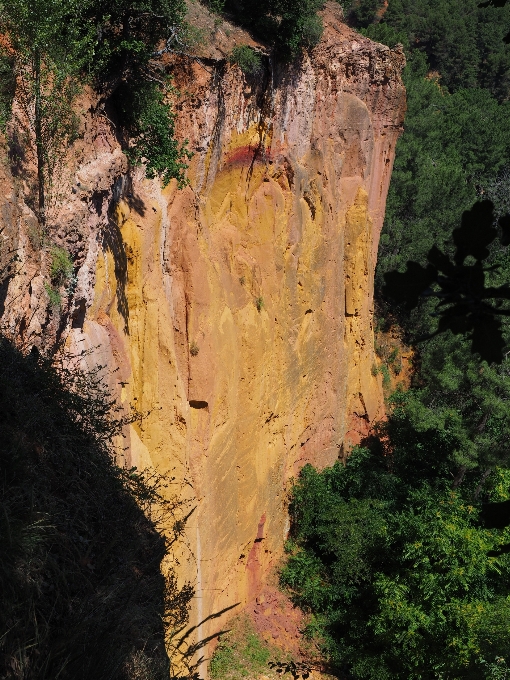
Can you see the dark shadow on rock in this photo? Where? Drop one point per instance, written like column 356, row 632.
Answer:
column 112, row 241
column 97, row 200
column 133, row 200
column 16, row 154
column 82, row 592
column 4, row 289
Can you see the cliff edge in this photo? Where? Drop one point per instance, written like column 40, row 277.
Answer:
column 236, row 313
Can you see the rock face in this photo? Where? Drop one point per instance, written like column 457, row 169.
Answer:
column 237, row 311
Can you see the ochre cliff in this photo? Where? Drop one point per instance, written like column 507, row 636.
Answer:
column 236, row 312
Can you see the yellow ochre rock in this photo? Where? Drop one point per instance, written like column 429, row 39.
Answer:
column 237, row 311
column 242, row 304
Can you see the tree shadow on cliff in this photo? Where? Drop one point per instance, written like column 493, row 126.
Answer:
column 185, row 650
column 465, row 305
column 81, row 539
column 113, row 241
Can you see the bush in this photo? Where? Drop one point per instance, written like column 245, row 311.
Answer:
column 288, row 26
column 395, row 569
column 247, row 59
column 149, row 125
column 55, row 299
column 124, row 66
column 61, row 266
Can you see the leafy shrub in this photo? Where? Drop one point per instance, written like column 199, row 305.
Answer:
column 394, row 567
column 259, row 303
column 216, row 6
column 247, row 59
column 497, row 670
column 362, row 13
column 123, row 65
column 149, row 126
column 55, row 299
column 59, row 44
column 61, row 266
column 289, row 26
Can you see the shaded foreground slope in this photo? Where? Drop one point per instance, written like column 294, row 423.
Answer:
column 80, row 544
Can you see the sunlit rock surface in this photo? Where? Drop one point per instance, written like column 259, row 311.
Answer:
column 234, row 314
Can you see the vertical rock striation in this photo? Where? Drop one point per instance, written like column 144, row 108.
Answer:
column 238, row 310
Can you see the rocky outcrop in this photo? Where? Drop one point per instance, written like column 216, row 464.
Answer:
column 236, row 313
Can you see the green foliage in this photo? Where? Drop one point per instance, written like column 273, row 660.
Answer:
column 362, row 12
column 148, row 122
column 55, row 28
column 451, row 143
column 247, row 59
column 288, row 25
column 461, row 40
column 465, row 303
column 61, row 266
column 259, row 303
column 7, row 87
column 240, row 654
column 129, row 35
column 54, row 296
column 216, row 6
column 497, row 670
column 128, row 32
column 459, row 405
column 393, row 565
column 50, row 48
column 383, row 370
column 57, row 43
column 456, row 140
column 81, row 539
column 388, row 553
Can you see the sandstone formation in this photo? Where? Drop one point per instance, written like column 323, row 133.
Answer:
column 236, row 313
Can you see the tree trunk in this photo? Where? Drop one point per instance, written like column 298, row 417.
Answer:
column 39, row 139
column 459, row 477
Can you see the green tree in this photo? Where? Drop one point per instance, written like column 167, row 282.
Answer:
column 463, row 40
column 48, row 47
column 287, row 25
column 394, row 567
column 56, row 44
column 452, row 144
column 132, row 35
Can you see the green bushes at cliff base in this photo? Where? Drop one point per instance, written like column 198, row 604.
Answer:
column 395, row 569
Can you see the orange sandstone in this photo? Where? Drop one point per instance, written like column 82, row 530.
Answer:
column 264, row 265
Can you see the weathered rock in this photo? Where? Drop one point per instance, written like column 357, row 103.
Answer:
column 263, row 266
